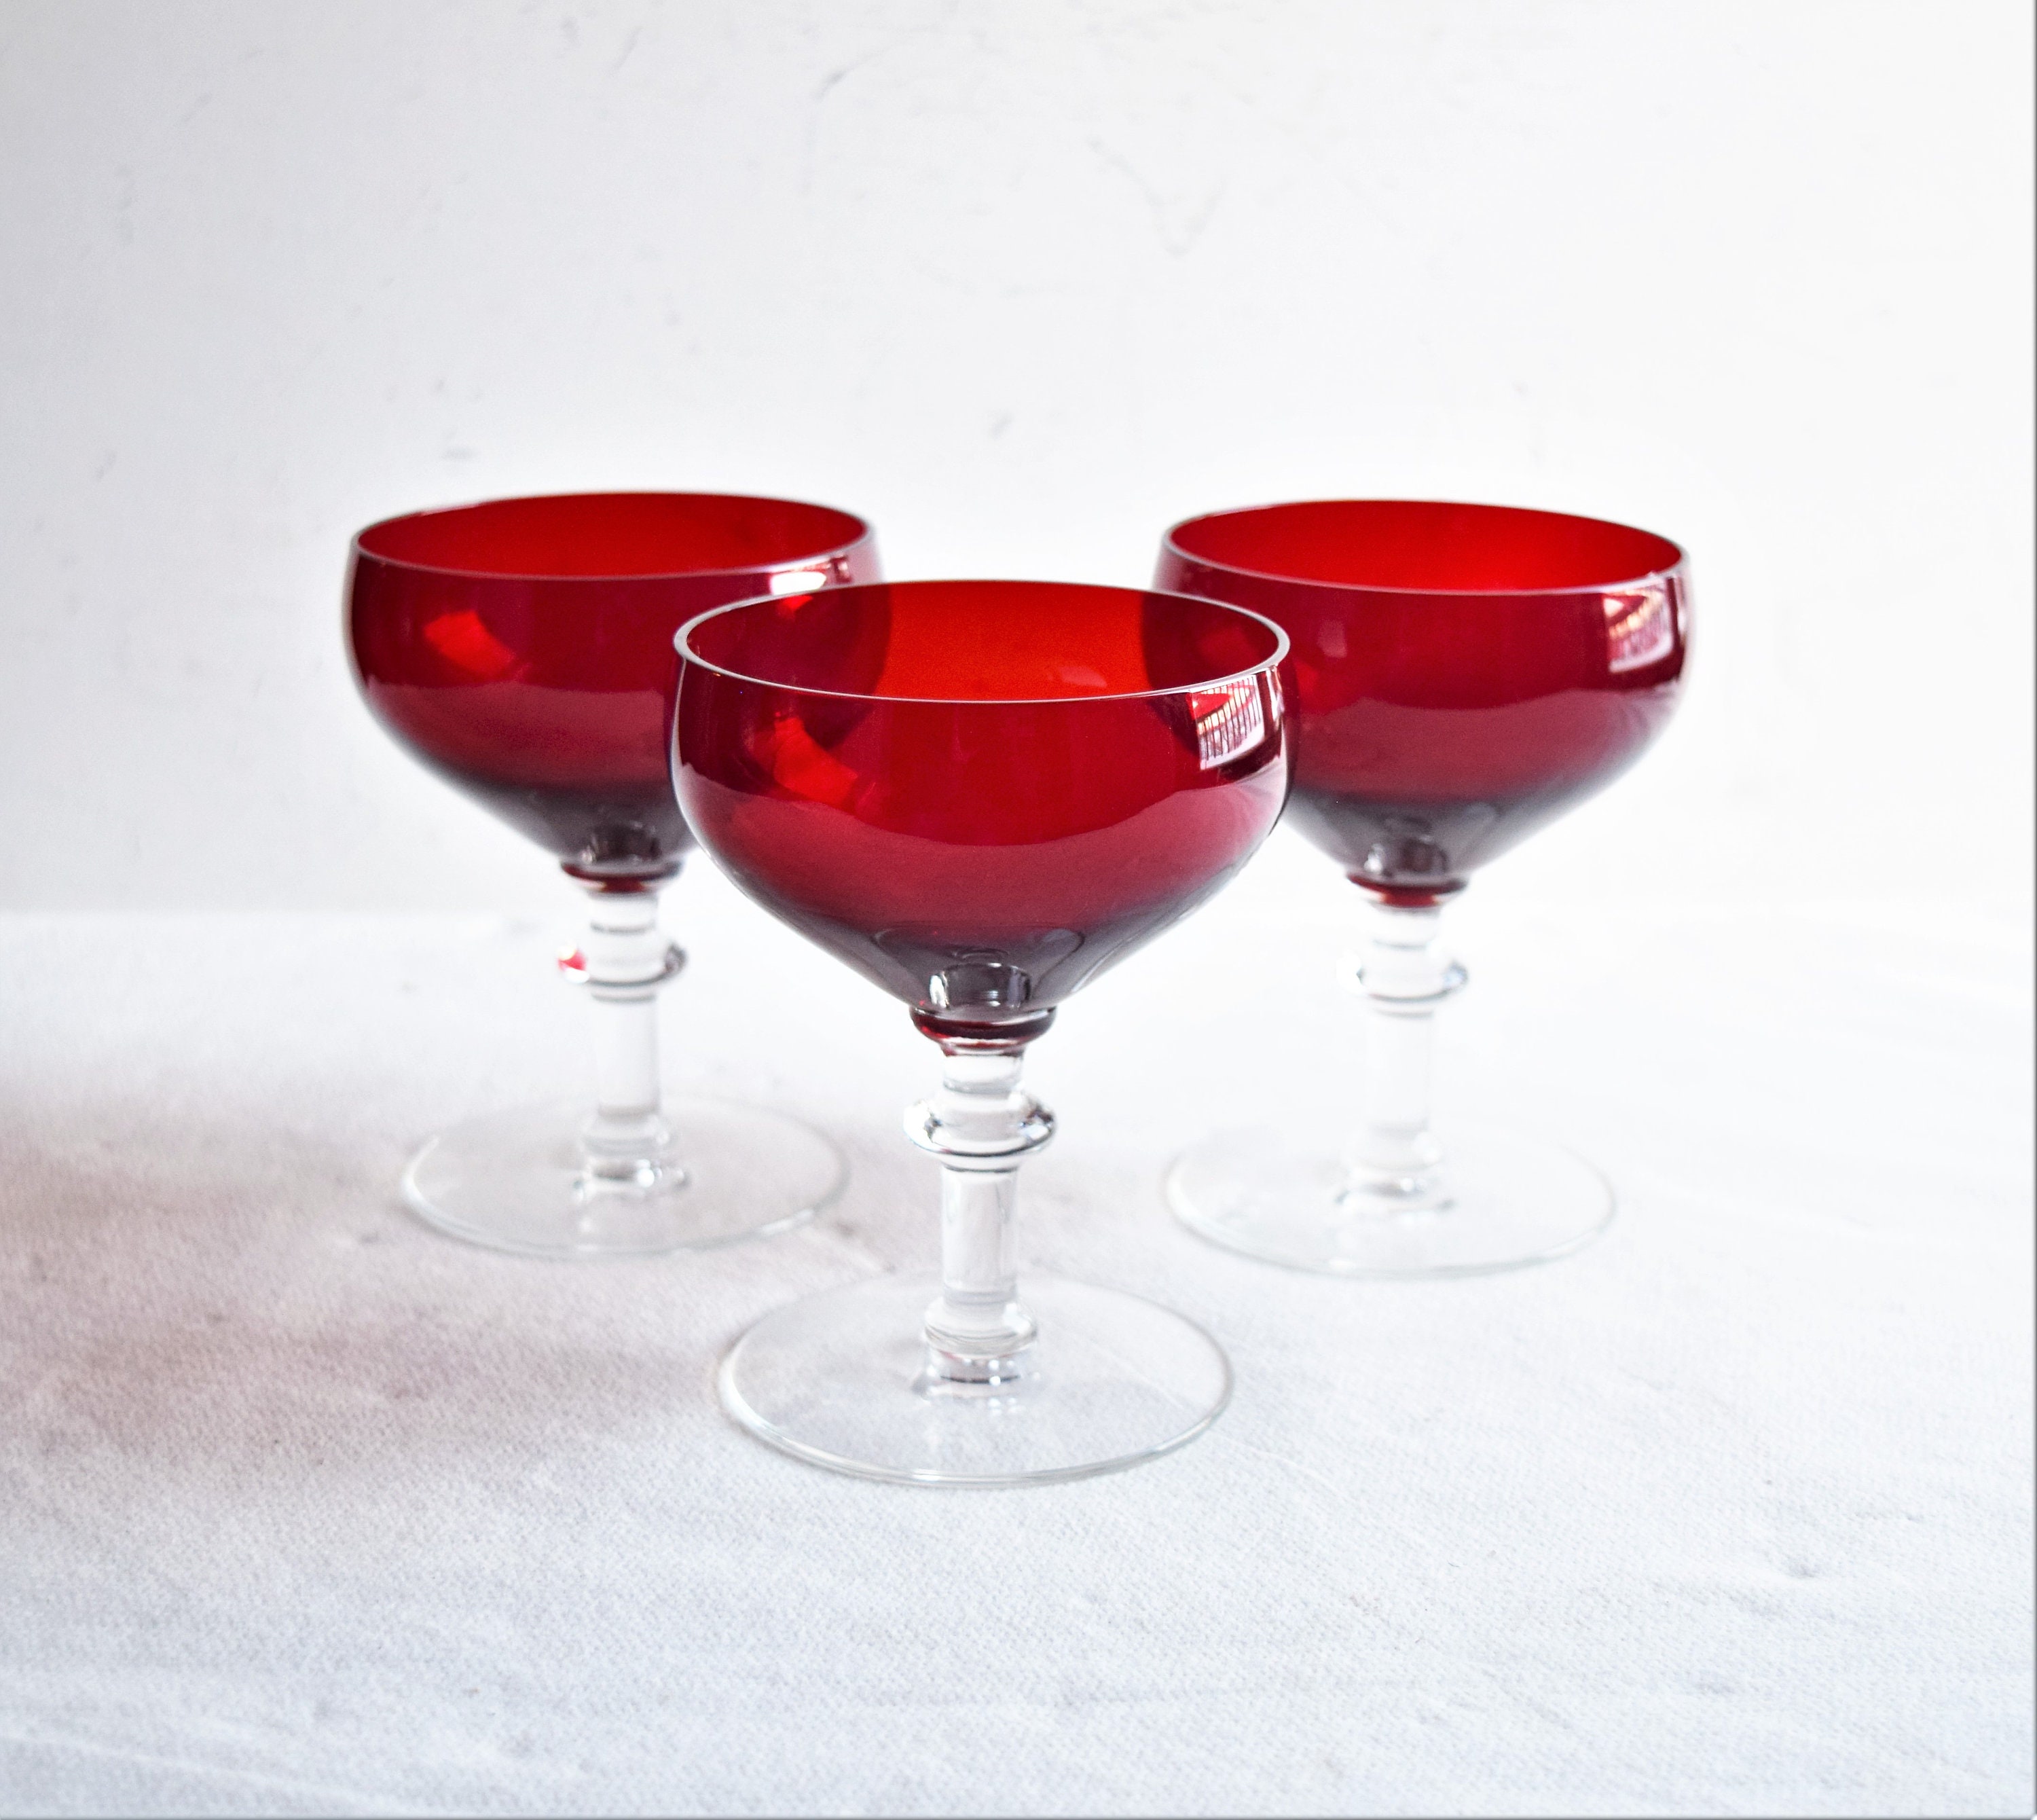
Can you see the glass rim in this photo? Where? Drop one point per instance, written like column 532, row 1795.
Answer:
column 1168, row 543
column 781, row 565
column 1282, row 645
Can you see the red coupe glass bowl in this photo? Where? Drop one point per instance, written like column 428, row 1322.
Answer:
column 1461, row 676
column 522, row 649
column 979, row 794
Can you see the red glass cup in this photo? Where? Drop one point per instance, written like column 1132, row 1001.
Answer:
column 979, row 794
column 1461, row 676
column 522, row 649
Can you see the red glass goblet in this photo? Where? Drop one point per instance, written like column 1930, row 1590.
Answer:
column 1461, row 675
column 522, row 650
column 979, row 794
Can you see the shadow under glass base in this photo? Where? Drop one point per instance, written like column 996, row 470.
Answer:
column 1509, row 1200
column 514, row 1180
column 1113, row 1380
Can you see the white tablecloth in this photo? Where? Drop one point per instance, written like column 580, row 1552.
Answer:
column 305, row 1508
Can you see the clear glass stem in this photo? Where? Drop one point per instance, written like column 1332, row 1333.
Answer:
column 981, row 1124
column 1392, row 1163
column 624, row 960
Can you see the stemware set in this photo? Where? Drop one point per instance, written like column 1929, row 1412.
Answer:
column 979, row 795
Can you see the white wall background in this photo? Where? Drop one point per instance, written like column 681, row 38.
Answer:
column 1024, row 282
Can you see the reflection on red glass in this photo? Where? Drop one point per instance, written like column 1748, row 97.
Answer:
column 979, row 794
column 1462, row 673
column 522, row 648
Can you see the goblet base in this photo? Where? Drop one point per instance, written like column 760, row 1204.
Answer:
column 838, row 1379
column 516, row 1181
column 1507, row 1200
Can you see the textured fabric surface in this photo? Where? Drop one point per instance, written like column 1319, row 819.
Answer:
column 305, row 1508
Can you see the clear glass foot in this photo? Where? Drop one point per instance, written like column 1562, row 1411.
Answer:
column 518, row 1181
column 1505, row 1200
column 841, row 1379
